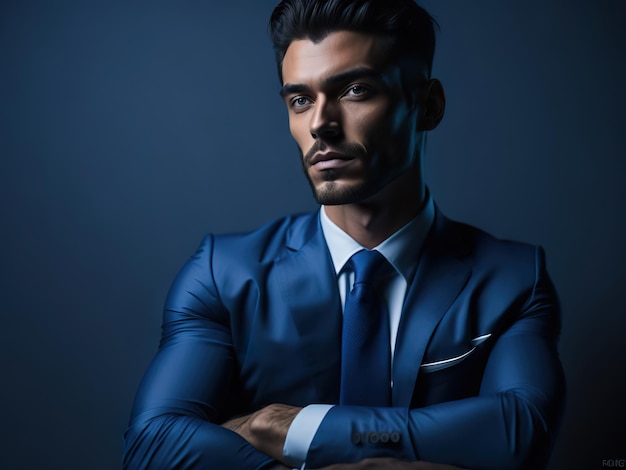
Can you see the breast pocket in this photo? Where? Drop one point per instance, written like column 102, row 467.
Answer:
column 452, row 378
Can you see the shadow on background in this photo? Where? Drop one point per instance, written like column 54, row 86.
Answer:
column 128, row 131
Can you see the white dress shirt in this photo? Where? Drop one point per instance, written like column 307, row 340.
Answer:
column 402, row 251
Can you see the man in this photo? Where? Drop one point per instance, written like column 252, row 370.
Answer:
column 278, row 351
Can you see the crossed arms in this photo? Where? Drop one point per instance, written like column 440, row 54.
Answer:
column 183, row 413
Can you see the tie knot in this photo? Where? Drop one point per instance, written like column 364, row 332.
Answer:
column 368, row 265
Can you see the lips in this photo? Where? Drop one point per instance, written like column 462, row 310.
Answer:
column 330, row 160
column 328, row 156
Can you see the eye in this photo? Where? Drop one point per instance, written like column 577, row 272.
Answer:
column 357, row 91
column 299, row 102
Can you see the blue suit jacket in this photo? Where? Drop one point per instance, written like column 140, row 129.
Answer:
column 255, row 319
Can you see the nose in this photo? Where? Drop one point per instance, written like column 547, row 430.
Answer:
column 325, row 120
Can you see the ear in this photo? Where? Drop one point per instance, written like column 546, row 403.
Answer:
column 433, row 105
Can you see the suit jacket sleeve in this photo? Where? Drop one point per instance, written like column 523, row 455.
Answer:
column 510, row 424
column 181, row 400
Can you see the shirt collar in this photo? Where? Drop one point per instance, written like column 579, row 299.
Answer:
column 401, row 249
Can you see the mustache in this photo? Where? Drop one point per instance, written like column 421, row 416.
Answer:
column 350, row 150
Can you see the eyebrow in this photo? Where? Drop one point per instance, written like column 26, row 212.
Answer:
column 347, row 76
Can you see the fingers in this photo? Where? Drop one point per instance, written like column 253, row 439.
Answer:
column 235, row 424
column 390, row 464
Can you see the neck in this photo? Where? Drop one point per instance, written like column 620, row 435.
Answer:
column 372, row 221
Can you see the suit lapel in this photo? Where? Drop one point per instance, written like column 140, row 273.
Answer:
column 440, row 277
column 309, row 287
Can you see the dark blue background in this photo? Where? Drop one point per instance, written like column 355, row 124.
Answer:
column 129, row 129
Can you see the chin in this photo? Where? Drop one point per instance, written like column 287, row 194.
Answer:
column 331, row 193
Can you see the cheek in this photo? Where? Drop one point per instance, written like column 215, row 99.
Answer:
column 377, row 128
column 300, row 133
column 389, row 137
column 364, row 124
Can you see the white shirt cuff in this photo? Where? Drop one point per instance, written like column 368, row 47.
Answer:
column 301, row 433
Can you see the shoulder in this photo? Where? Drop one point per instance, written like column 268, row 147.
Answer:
column 268, row 241
column 506, row 276
column 233, row 254
column 483, row 248
column 230, row 261
column 498, row 266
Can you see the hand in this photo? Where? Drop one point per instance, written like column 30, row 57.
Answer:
column 389, row 464
column 266, row 429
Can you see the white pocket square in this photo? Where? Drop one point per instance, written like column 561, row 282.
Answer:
column 438, row 365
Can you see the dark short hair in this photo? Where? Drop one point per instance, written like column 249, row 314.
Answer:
column 410, row 27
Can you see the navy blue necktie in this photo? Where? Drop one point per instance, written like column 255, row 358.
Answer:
column 365, row 347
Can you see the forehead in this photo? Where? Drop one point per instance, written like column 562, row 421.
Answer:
column 306, row 61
